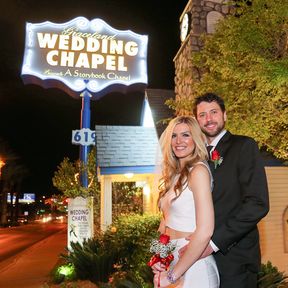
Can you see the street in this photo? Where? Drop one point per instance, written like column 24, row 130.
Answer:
column 29, row 253
column 16, row 239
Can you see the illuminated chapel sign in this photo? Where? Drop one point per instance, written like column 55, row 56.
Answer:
column 82, row 54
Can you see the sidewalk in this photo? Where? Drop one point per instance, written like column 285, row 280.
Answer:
column 31, row 268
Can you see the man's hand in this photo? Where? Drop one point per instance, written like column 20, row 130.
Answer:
column 208, row 251
column 183, row 249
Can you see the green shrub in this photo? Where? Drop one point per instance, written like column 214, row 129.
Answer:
column 91, row 261
column 270, row 277
column 131, row 280
column 123, row 248
column 132, row 239
column 131, row 236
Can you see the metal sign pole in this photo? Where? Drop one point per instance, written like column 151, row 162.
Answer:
column 85, row 123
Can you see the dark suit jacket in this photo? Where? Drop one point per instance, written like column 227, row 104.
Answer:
column 240, row 197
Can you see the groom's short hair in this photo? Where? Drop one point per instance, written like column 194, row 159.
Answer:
column 208, row 97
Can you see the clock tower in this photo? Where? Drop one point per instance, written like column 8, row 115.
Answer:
column 198, row 17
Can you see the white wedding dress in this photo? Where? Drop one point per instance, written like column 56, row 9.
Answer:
column 180, row 215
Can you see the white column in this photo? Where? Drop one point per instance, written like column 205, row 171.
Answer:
column 148, row 196
column 106, row 202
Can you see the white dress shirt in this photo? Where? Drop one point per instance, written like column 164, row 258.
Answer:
column 216, row 140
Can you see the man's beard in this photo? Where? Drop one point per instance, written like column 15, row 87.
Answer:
column 213, row 133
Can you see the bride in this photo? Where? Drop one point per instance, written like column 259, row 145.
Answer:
column 185, row 201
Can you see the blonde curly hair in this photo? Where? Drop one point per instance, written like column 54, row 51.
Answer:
column 170, row 163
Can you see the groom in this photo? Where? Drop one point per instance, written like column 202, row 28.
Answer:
column 240, row 196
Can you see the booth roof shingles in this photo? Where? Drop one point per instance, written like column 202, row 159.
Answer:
column 124, row 146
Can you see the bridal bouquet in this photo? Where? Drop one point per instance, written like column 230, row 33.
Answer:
column 162, row 249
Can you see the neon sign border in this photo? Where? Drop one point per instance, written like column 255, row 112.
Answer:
column 74, row 88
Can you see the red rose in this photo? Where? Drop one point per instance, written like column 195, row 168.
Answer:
column 164, row 239
column 215, row 155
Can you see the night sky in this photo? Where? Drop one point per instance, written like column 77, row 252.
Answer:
column 37, row 123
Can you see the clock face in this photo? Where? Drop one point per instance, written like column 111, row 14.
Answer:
column 184, row 28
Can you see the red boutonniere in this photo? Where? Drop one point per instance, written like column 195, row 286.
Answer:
column 216, row 158
column 162, row 249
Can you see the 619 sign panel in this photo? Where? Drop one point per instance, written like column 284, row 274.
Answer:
column 83, row 137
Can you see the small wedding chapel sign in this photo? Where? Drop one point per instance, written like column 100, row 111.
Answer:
column 80, row 219
column 84, row 55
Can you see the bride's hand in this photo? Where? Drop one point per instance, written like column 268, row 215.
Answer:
column 158, row 267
